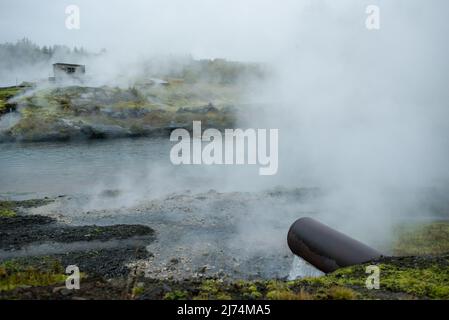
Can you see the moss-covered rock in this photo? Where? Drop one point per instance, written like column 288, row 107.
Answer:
column 5, row 95
column 100, row 112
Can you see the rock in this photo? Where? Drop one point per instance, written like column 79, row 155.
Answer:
column 203, row 269
column 57, row 289
column 65, row 292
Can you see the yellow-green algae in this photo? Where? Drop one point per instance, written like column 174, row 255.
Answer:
column 16, row 273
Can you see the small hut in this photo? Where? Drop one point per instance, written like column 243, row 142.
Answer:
column 68, row 70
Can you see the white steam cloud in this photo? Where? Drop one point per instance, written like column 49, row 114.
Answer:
column 362, row 114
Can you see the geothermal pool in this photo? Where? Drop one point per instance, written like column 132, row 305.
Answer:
column 217, row 221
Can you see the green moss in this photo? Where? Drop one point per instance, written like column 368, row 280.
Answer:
column 138, row 290
column 341, row 293
column 6, row 209
column 7, row 213
column 354, row 275
column 5, row 95
column 432, row 282
column 176, row 295
column 430, row 238
column 16, row 273
column 134, row 110
column 412, row 277
column 421, row 281
column 252, row 293
column 287, row 295
column 249, row 290
column 213, row 289
column 280, row 290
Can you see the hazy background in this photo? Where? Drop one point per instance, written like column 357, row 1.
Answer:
column 362, row 114
column 243, row 30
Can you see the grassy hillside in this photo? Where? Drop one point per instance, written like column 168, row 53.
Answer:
column 5, row 95
column 158, row 100
column 88, row 112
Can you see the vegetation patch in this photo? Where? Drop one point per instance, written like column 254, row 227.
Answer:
column 9, row 209
column 77, row 112
column 176, row 295
column 5, row 95
column 6, row 210
column 430, row 238
column 17, row 273
column 418, row 276
column 431, row 282
column 277, row 290
column 213, row 289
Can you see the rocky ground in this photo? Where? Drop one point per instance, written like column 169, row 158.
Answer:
column 126, row 261
column 48, row 113
column 189, row 241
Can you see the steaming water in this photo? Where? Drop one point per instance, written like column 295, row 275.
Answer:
column 225, row 218
column 220, row 218
column 302, row 269
column 54, row 168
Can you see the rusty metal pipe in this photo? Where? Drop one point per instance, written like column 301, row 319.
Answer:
column 326, row 248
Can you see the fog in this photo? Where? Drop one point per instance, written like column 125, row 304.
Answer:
column 362, row 114
column 247, row 30
column 365, row 111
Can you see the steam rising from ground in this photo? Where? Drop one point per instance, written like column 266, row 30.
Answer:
column 362, row 114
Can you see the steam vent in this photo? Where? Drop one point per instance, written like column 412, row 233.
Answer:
column 326, row 248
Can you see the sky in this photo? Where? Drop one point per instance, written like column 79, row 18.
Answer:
column 203, row 28
column 243, row 30
column 236, row 29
